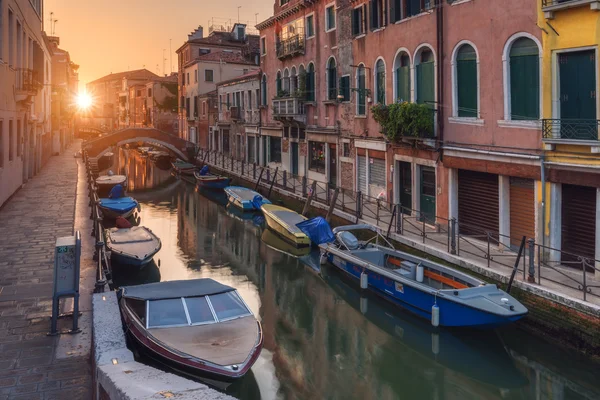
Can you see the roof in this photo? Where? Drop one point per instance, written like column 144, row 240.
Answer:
column 175, row 289
column 135, row 74
column 252, row 74
column 223, row 56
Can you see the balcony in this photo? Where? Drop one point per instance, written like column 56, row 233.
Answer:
column 236, row 114
column 549, row 7
column 570, row 131
column 26, row 84
column 252, row 116
column 289, row 109
column 290, row 45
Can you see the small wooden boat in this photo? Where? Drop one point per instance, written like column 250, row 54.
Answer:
column 275, row 242
column 120, row 207
column 183, row 168
column 144, row 150
column 206, row 180
column 106, row 161
column 158, row 155
column 445, row 296
column 283, row 222
column 105, row 183
column 132, row 246
column 199, row 326
column 244, row 198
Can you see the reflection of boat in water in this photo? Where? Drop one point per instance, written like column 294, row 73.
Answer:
column 275, row 242
column 216, row 196
column 106, row 161
column 478, row 355
column 237, row 213
column 283, row 221
column 128, row 276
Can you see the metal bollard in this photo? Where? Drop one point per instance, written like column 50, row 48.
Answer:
column 453, row 236
column 531, row 275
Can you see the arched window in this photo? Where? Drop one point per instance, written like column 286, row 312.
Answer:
column 286, row 82
column 361, row 103
column 263, row 89
column 278, row 84
column 466, row 89
column 380, row 81
column 310, row 83
column 293, row 81
column 331, row 79
column 524, row 71
column 402, row 77
column 425, row 77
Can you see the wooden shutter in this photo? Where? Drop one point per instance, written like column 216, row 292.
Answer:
column 355, row 21
column 425, row 84
column 361, row 93
column 522, row 210
column 373, row 10
column 578, row 222
column 466, row 80
column 310, row 86
column 393, row 11
column 403, row 83
column 524, row 87
column 477, row 202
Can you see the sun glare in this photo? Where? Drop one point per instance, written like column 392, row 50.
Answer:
column 84, row 101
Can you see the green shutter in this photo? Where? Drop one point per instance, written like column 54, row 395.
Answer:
column 403, row 84
column 310, row 86
column 361, row 93
column 466, row 81
column 426, row 84
column 332, row 80
column 524, row 87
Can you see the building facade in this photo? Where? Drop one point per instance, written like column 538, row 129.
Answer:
column 25, row 94
column 161, row 104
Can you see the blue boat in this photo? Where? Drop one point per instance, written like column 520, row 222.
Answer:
column 116, row 205
column 443, row 295
column 244, row 198
column 206, row 180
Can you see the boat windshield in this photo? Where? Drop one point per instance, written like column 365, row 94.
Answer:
column 163, row 313
column 199, row 310
column 228, row 305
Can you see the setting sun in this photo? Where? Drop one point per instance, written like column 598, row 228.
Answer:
column 84, row 101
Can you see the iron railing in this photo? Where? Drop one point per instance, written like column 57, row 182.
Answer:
column 26, row 80
column 550, row 3
column 570, row 129
column 290, row 45
column 288, row 106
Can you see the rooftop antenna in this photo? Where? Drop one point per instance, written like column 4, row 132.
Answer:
column 54, row 27
column 170, row 56
column 164, row 59
column 51, row 19
column 256, row 18
column 239, row 13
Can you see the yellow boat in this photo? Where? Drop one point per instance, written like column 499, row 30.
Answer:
column 275, row 242
column 283, row 222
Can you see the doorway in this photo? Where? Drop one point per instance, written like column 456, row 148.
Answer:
column 332, row 165
column 427, row 194
column 405, row 186
column 294, row 151
column 577, row 74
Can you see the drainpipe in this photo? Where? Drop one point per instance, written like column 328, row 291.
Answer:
column 543, row 176
column 440, row 52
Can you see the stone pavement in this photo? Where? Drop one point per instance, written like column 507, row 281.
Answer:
column 30, row 222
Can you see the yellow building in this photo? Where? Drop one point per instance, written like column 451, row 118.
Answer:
column 570, row 127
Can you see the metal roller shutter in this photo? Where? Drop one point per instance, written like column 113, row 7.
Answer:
column 578, row 221
column 376, row 172
column 362, row 174
column 522, row 210
column 477, row 202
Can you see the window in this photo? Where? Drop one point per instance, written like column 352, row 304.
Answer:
column 524, row 73
column 396, row 10
column 11, row 38
column 316, row 155
column 413, row 7
column 203, row 51
column 402, row 76
column 188, row 78
column 361, row 98
column 149, row 92
column 228, row 305
column 204, row 108
column 346, row 149
column 293, row 81
column 195, row 76
column 11, row 141
column 138, row 93
column 358, row 20
column 278, row 84
column 273, row 149
column 345, row 88
column 162, row 313
column 283, row 2
column 199, row 310
column 1, row 144
column 208, row 75
column 425, row 77
column 195, row 106
column 380, row 82
column 228, row 102
column 378, row 14
column 263, row 46
column 258, row 99
column 310, row 26
column 310, row 83
column 249, row 99
column 466, row 82
column 263, row 89
column 187, row 107
column 18, row 138
column 225, row 148
column 286, row 82
column 331, row 79
column 330, row 18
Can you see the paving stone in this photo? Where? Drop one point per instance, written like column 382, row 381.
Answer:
column 24, row 388
column 4, row 382
column 33, row 378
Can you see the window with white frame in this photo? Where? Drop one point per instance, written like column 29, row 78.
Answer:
column 208, row 75
column 465, row 81
column 310, row 26
column 330, row 17
column 380, row 81
column 378, row 14
column 359, row 20
column 361, row 89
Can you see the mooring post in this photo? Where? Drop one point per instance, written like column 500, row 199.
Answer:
column 327, row 194
column 453, row 236
column 332, row 205
column 285, row 178
column 304, row 186
column 313, row 189
column 394, row 215
column 358, row 204
column 259, row 177
column 273, row 182
column 531, row 276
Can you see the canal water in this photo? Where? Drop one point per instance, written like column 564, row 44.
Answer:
column 323, row 339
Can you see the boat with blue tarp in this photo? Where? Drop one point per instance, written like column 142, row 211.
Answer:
column 244, row 198
column 445, row 296
column 205, row 179
column 117, row 205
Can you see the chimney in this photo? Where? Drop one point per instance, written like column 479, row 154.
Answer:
column 197, row 34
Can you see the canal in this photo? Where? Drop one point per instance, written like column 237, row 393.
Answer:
column 323, row 339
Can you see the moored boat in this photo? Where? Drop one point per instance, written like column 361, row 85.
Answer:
column 199, row 326
column 283, row 222
column 244, row 198
column 132, row 246
column 445, row 296
column 269, row 238
column 105, row 183
column 206, row 180
column 120, row 207
column 183, row 168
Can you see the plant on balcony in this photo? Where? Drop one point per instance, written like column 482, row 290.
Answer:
column 404, row 119
column 282, row 94
column 301, row 91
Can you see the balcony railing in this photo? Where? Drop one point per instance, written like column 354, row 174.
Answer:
column 289, row 108
column 550, row 6
column 236, row 114
column 290, row 45
column 570, row 129
column 26, row 82
column 252, row 116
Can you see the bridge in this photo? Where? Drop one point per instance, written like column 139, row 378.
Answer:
column 173, row 144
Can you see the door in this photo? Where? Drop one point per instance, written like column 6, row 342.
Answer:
column 332, row 165
column 522, row 210
column 578, row 94
column 294, row 146
column 362, row 174
column 478, row 206
column 427, row 194
column 405, row 186
column 578, row 234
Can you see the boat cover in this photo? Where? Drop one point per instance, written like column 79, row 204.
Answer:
column 317, row 229
column 111, row 179
column 204, row 170
column 121, row 204
column 116, row 192
column 258, row 201
column 175, row 289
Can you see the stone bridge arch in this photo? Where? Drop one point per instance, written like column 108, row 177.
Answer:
column 174, row 144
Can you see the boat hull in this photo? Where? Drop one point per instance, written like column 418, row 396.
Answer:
column 126, row 260
column 213, row 184
column 275, row 226
column 451, row 314
column 110, row 213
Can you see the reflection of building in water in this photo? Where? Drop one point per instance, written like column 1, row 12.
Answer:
column 141, row 172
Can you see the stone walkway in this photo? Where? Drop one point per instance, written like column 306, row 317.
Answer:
column 30, row 222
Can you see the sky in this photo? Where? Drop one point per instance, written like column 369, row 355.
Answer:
column 118, row 35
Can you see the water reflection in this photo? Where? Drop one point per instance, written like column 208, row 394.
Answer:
column 322, row 339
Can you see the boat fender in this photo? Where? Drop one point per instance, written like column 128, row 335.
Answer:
column 420, row 272
column 364, row 280
column 323, row 258
column 435, row 343
column 435, row 315
column 364, row 305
